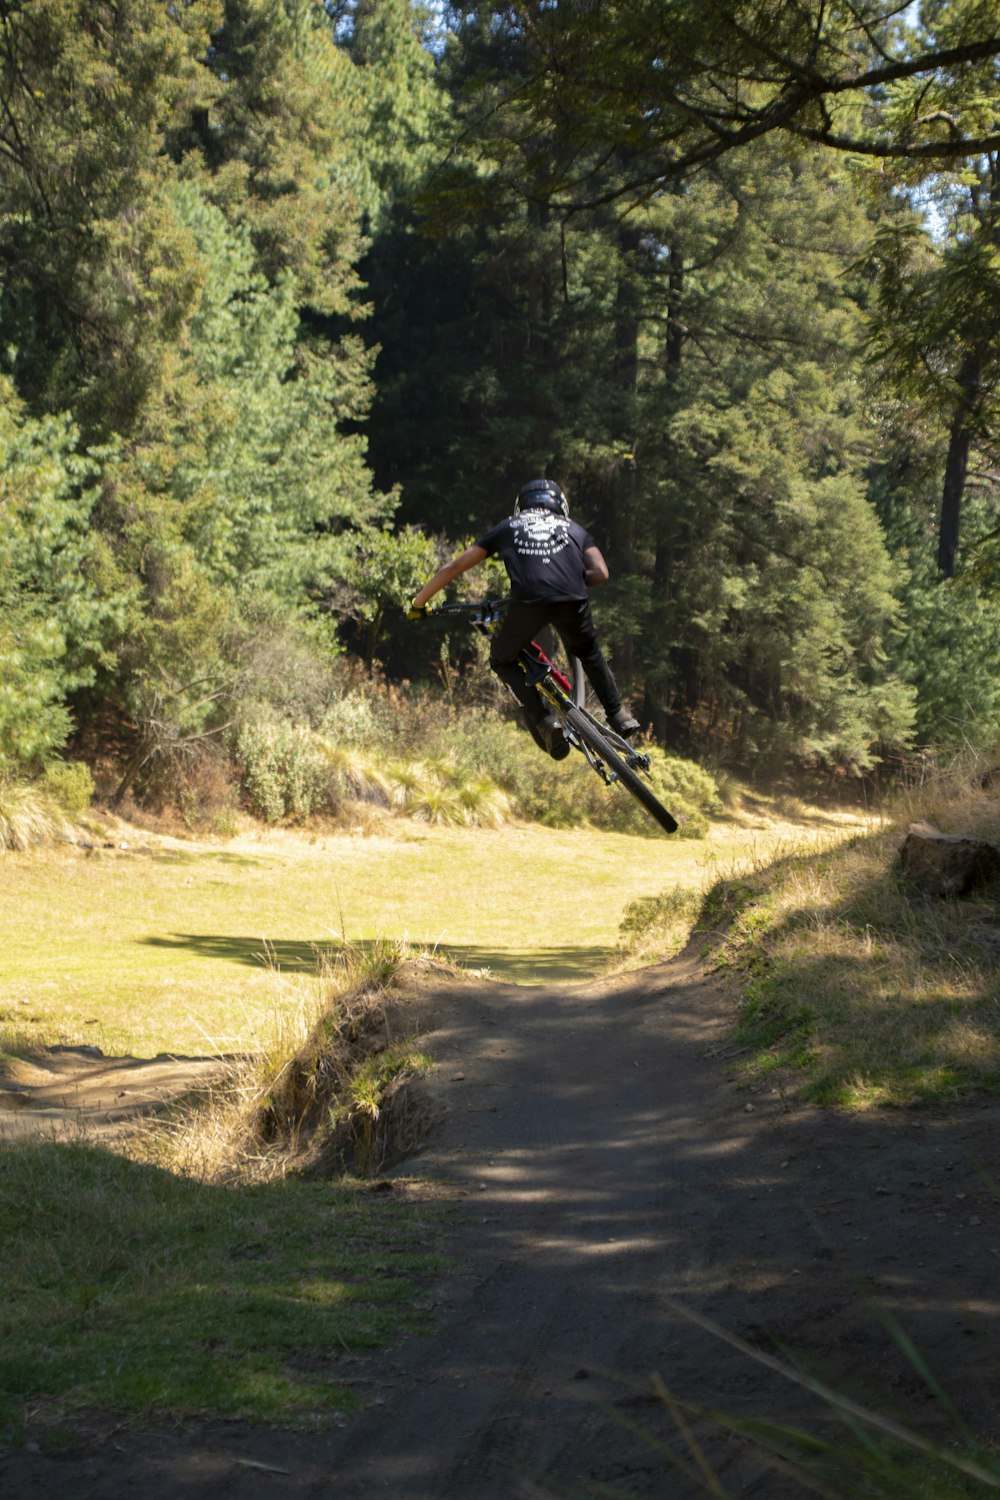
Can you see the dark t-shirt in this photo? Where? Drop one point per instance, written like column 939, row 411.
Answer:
column 543, row 555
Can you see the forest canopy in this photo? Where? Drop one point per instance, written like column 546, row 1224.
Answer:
column 294, row 296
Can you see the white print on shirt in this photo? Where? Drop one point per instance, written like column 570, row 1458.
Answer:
column 539, row 533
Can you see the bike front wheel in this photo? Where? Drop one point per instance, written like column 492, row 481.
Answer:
column 585, row 729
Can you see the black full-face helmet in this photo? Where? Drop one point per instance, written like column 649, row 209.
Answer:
column 541, row 494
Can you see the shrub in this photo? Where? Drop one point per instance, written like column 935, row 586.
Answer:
column 284, row 770
column 413, row 753
column 70, row 784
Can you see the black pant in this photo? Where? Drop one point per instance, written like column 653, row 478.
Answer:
column 572, row 620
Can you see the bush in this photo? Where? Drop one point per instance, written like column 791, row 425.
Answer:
column 562, row 794
column 411, row 752
column 70, row 784
column 284, row 770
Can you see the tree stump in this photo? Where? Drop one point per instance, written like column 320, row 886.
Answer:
column 947, row 864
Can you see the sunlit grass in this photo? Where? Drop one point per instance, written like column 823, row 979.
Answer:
column 170, row 946
column 857, row 990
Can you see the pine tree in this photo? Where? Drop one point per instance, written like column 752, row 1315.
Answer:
column 94, row 277
column 59, row 609
column 685, row 371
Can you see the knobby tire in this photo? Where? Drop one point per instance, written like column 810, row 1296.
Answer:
column 583, row 726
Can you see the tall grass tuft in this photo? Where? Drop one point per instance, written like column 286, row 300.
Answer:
column 322, row 1092
column 657, row 927
column 871, row 1457
column 29, row 816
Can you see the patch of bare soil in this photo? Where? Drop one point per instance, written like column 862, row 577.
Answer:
column 610, row 1179
column 78, row 1091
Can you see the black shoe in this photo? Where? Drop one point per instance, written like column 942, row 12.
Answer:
column 550, row 731
column 623, row 723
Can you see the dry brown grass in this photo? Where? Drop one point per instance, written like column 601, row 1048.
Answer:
column 29, row 817
column 327, row 1089
column 858, row 989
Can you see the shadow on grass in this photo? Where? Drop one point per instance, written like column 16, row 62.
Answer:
column 303, row 956
column 294, row 956
column 536, row 966
column 139, row 1288
column 289, row 955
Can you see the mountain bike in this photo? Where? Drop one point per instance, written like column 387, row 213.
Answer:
column 563, row 688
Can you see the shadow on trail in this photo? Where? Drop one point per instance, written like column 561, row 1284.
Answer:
column 610, row 1172
column 606, row 1171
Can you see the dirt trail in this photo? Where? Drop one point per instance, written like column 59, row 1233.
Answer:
column 607, row 1170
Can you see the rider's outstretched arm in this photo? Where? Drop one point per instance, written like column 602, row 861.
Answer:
column 595, row 569
column 460, row 564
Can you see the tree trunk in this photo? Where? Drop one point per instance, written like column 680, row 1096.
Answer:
column 957, row 463
column 628, row 308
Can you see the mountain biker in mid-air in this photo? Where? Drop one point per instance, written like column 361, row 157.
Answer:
column 551, row 563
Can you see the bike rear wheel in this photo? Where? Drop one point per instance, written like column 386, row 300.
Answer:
column 586, row 730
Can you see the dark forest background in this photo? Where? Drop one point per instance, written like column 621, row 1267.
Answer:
column 294, row 296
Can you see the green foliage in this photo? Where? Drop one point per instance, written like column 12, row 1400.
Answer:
column 384, row 569
column 677, row 84
column 405, row 110
column 565, row 794
column 70, row 784
column 687, row 373
column 369, row 1083
column 97, row 277
column 934, row 330
column 282, row 145
column 171, row 215
column 947, row 642
column 56, row 621
column 289, row 771
column 469, row 767
column 244, row 461
column 272, row 277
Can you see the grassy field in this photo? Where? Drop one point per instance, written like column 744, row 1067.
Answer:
column 140, row 1291
column 848, row 988
column 158, row 944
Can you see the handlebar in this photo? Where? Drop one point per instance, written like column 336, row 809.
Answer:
column 482, row 608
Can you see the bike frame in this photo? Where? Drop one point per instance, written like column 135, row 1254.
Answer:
column 555, row 687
